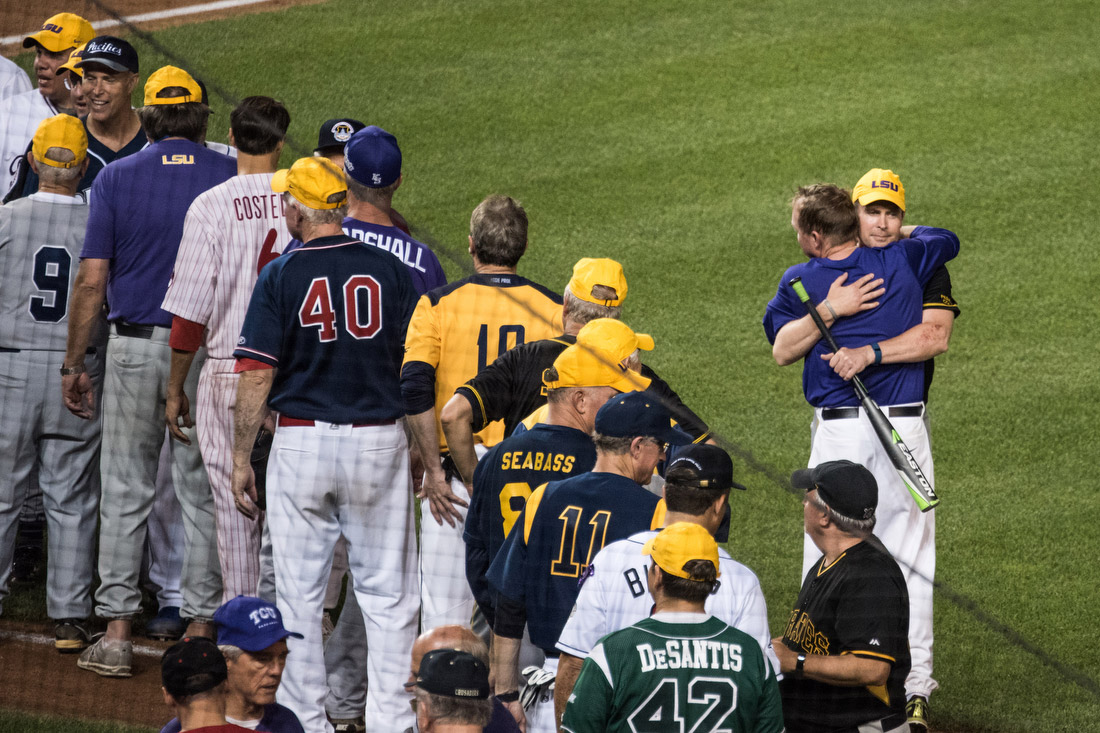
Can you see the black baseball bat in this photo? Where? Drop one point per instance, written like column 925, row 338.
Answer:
column 914, row 479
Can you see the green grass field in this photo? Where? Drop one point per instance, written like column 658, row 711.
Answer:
column 672, row 136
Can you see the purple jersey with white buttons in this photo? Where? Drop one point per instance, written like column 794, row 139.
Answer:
column 138, row 205
column 905, row 267
column 331, row 317
column 424, row 268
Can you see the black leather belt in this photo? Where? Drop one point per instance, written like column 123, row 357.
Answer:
column 133, row 330
column 845, row 413
column 91, row 350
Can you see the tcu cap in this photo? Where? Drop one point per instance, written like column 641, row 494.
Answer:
column 250, row 623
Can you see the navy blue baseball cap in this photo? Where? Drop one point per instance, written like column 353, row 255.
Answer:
column 110, row 51
column 634, row 414
column 250, row 623
column 335, row 133
column 703, row 466
column 372, row 157
column 192, row 665
column 452, row 673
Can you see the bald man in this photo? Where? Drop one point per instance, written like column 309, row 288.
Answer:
column 463, row 639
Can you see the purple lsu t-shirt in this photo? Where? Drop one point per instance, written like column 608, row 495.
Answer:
column 138, row 204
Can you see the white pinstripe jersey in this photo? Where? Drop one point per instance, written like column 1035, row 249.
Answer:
column 230, row 233
column 40, row 241
column 20, row 116
column 616, row 596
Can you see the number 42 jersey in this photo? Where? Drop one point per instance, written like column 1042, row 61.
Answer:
column 231, row 231
column 40, row 241
column 675, row 672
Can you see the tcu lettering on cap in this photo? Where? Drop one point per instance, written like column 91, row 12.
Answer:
column 260, row 615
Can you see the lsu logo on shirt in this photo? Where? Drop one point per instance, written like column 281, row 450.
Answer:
column 177, row 159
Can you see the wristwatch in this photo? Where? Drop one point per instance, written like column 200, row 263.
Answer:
column 508, row 696
column 72, row 371
column 800, row 666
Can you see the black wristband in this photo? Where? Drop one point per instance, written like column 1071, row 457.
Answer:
column 800, row 666
column 508, row 696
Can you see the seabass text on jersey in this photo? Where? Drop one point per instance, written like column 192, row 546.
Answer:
column 538, row 461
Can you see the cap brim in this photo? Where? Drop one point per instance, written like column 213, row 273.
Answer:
column 645, row 341
column 674, row 436
column 40, row 38
column 802, row 478
column 631, row 381
column 112, row 65
column 647, row 548
column 870, row 198
column 279, row 181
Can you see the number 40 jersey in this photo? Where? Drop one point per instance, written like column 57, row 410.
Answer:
column 40, row 241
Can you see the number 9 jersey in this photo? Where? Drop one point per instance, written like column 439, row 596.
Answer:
column 331, row 317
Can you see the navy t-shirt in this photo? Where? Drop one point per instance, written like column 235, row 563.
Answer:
column 905, row 267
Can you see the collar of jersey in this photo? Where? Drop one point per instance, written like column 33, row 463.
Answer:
column 680, row 617
column 329, row 241
column 822, row 568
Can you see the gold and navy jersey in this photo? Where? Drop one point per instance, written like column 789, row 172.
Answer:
column 857, row 605
column 460, row 328
column 503, row 481
column 937, row 296
column 562, row 527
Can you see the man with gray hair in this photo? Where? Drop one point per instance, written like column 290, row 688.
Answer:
column 845, row 651
column 41, row 442
column 252, row 638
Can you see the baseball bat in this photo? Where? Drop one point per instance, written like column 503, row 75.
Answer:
column 920, row 488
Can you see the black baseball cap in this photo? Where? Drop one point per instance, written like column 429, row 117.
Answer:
column 110, row 51
column 192, row 665
column 451, row 673
column 336, row 132
column 633, row 414
column 848, row 488
column 703, row 466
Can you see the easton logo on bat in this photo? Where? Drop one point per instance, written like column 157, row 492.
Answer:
column 913, row 465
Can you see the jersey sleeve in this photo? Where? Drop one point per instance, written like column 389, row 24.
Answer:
column 490, row 392
column 99, row 237
column 784, row 307
column 937, row 292
column 261, row 335
column 590, row 704
column 588, row 622
column 191, row 290
column 928, row 249
column 422, row 340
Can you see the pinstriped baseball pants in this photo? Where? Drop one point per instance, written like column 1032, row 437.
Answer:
column 133, row 433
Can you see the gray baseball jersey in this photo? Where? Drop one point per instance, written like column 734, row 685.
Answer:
column 19, row 118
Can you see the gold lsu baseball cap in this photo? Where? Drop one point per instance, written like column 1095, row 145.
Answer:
column 315, row 182
column 587, row 366
column 678, row 544
column 74, row 57
column 589, row 272
column 171, row 76
column 879, row 184
column 60, row 131
column 61, row 31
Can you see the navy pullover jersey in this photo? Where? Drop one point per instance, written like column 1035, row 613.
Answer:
column 331, row 317
column 562, row 527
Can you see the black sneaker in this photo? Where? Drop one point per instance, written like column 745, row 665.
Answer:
column 916, row 713
column 70, row 635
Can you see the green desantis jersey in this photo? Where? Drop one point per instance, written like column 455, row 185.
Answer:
column 675, row 672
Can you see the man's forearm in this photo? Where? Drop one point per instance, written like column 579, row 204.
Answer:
column 796, row 338
column 846, row 670
column 505, row 664
column 179, row 369
column 248, row 414
column 455, row 418
column 89, row 292
column 569, row 668
column 422, row 427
